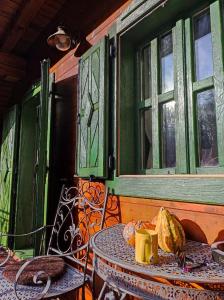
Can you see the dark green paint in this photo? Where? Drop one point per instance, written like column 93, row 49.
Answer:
column 168, row 96
column 8, row 166
column 127, row 119
column 183, row 188
column 92, row 156
column 25, row 205
column 199, row 86
column 217, row 41
column 31, row 204
column 180, row 98
column 155, row 107
column 203, row 189
column 190, row 96
column 43, row 148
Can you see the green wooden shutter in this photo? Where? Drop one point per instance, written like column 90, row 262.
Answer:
column 93, row 112
column 31, row 208
column 7, row 171
column 43, row 154
column 26, row 160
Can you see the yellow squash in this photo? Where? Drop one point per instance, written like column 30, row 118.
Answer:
column 171, row 236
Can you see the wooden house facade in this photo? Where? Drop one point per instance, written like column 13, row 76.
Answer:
column 143, row 182
column 141, row 111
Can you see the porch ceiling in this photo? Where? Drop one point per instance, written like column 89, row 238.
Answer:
column 24, row 28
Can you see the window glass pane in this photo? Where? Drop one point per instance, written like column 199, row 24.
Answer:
column 168, row 135
column 146, row 73
column 147, row 138
column 166, row 63
column 207, row 132
column 203, row 46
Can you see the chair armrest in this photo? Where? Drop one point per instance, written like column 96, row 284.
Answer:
column 44, row 286
column 26, row 234
column 9, row 251
column 36, row 279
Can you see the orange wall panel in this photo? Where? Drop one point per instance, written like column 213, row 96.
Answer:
column 204, row 223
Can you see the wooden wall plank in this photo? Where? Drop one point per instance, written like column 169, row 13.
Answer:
column 196, row 218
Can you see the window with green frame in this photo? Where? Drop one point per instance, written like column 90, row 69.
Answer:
column 179, row 103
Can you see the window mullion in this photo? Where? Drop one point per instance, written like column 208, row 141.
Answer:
column 217, row 40
column 140, row 105
column 204, row 84
column 180, row 98
column 155, row 108
column 168, row 96
column 190, row 96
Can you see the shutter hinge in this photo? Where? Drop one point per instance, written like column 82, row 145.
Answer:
column 111, row 161
column 112, row 51
column 56, row 95
column 92, row 178
column 78, row 119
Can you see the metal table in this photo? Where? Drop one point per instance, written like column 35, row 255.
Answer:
column 114, row 262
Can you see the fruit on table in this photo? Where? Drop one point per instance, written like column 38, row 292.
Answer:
column 171, row 236
column 129, row 230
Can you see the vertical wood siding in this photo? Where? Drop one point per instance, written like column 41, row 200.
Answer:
column 201, row 222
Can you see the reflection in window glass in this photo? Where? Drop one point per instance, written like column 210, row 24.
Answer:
column 147, row 139
column 146, row 73
column 207, row 132
column 168, row 135
column 203, row 46
column 166, row 63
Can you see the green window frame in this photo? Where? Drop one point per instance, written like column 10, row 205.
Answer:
column 187, row 182
column 155, row 103
column 213, row 82
column 184, row 94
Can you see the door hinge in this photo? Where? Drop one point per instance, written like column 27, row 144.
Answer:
column 112, row 51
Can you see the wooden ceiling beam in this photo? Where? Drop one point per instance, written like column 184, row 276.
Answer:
column 10, row 59
column 23, row 20
column 12, row 68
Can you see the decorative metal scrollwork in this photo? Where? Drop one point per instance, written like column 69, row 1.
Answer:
column 5, row 253
column 81, row 207
column 36, row 280
column 79, row 215
column 9, row 252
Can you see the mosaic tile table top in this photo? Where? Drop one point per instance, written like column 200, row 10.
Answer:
column 110, row 245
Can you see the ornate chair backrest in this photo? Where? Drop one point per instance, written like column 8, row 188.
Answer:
column 80, row 214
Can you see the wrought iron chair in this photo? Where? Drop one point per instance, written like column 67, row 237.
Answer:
column 80, row 213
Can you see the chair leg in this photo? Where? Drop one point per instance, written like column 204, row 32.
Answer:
column 93, row 285
column 123, row 295
column 102, row 291
column 83, row 292
column 90, row 284
column 111, row 293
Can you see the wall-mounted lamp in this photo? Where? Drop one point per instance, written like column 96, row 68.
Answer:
column 60, row 39
column 63, row 42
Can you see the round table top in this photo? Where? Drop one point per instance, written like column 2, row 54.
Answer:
column 110, row 245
